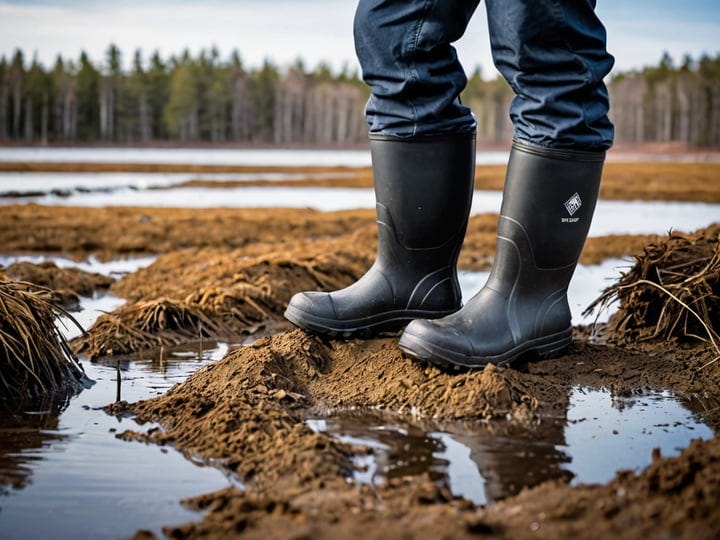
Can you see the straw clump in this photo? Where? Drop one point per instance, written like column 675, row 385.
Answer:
column 36, row 359
column 671, row 292
column 195, row 294
column 145, row 325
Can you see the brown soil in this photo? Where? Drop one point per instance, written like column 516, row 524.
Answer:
column 68, row 284
column 116, row 232
column 219, row 292
column 247, row 410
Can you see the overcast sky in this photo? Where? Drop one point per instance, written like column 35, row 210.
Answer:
column 316, row 30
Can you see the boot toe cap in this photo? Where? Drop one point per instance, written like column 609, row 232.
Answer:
column 317, row 304
column 429, row 335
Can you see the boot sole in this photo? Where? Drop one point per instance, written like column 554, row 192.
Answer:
column 367, row 327
column 542, row 348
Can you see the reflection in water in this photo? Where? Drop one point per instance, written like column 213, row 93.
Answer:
column 481, row 465
column 24, row 436
column 605, row 434
column 65, row 474
column 486, row 463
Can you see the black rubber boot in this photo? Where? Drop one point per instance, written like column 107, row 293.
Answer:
column 423, row 188
column 548, row 203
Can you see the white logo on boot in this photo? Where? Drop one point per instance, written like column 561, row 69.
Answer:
column 572, row 205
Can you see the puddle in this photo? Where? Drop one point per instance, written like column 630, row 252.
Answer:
column 606, row 434
column 65, row 474
column 602, row 435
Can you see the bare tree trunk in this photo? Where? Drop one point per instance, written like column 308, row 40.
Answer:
column 28, row 119
column 44, row 119
column 145, row 127
column 3, row 110
column 17, row 104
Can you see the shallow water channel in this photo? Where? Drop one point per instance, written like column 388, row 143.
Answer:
column 64, row 474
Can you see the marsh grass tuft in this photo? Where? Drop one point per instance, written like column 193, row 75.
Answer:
column 150, row 324
column 36, row 359
column 671, row 292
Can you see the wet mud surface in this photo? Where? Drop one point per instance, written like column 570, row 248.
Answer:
column 249, row 408
column 229, row 273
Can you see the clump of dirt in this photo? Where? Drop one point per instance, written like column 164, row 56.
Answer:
column 68, row 284
column 672, row 291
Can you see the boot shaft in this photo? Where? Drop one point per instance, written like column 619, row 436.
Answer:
column 424, row 186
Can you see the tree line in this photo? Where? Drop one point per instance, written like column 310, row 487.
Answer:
column 206, row 99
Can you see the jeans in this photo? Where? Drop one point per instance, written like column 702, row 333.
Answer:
column 551, row 52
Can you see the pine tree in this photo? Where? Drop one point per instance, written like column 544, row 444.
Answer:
column 88, row 100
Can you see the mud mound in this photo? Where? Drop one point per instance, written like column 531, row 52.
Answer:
column 35, row 358
column 248, row 409
column 672, row 291
column 305, row 371
column 68, row 283
column 253, row 414
column 146, row 325
column 195, row 294
column 283, row 268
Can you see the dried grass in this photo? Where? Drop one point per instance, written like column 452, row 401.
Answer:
column 35, row 357
column 146, row 325
column 671, row 292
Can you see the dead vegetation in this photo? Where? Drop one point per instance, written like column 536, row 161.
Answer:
column 36, row 359
column 210, row 293
column 672, row 291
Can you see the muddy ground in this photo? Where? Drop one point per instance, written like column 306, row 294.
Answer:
column 229, row 273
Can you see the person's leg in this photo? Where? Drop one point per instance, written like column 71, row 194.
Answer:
column 407, row 58
column 552, row 52
column 422, row 145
